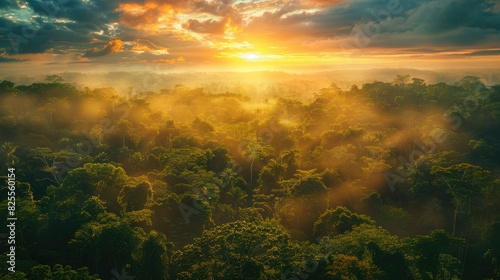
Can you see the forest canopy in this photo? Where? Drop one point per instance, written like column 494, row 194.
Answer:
column 385, row 180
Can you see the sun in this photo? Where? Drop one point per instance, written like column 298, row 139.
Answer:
column 250, row 56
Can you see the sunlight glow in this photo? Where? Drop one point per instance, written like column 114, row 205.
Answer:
column 250, row 56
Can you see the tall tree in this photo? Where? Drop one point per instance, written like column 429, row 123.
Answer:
column 154, row 258
column 255, row 150
column 9, row 153
column 464, row 183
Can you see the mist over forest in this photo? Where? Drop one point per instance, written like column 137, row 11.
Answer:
column 155, row 78
column 386, row 174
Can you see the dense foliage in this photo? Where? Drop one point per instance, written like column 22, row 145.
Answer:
column 392, row 180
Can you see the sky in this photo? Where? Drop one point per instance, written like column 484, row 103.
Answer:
column 241, row 35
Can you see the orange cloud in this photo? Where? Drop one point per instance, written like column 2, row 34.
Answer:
column 142, row 45
column 322, row 2
column 151, row 15
column 113, row 46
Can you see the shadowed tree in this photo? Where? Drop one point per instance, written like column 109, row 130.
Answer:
column 54, row 79
column 492, row 237
column 392, row 264
column 7, row 86
column 471, row 84
column 111, row 242
column 154, row 259
column 86, row 246
column 355, row 241
column 133, row 198
column 307, row 199
column 431, row 255
column 350, row 267
column 58, row 272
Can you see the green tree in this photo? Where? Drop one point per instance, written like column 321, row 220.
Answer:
column 86, row 245
column 123, row 128
column 201, row 126
column 471, row 83
column 492, row 237
column 308, row 198
column 431, row 255
column 133, row 198
column 9, row 153
column 463, row 182
column 112, row 243
column 155, row 256
column 355, row 242
column 392, row 264
column 103, row 180
column 338, row 221
column 401, row 80
column 44, row 272
column 256, row 150
column 6, row 86
column 308, row 186
column 238, row 250
column 54, row 79
column 41, row 272
column 350, row 267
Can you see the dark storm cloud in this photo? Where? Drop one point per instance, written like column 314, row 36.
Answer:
column 99, row 11
column 390, row 23
column 435, row 23
column 8, row 4
column 445, row 15
column 47, row 37
column 335, row 20
column 5, row 25
column 6, row 28
column 83, row 17
column 358, row 11
column 77, row 21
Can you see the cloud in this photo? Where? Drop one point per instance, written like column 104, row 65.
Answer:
column 442, row 16
column 8, row 59
column 484, row 53
column 201, row 29
column 222, row 8
column 454, row 24
column 97, row 12
column 144, row 15
column 143, row 45
column 208, row 26
column 114, row 46
column 8, row 4
column 46, row 38
column 322, row 2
